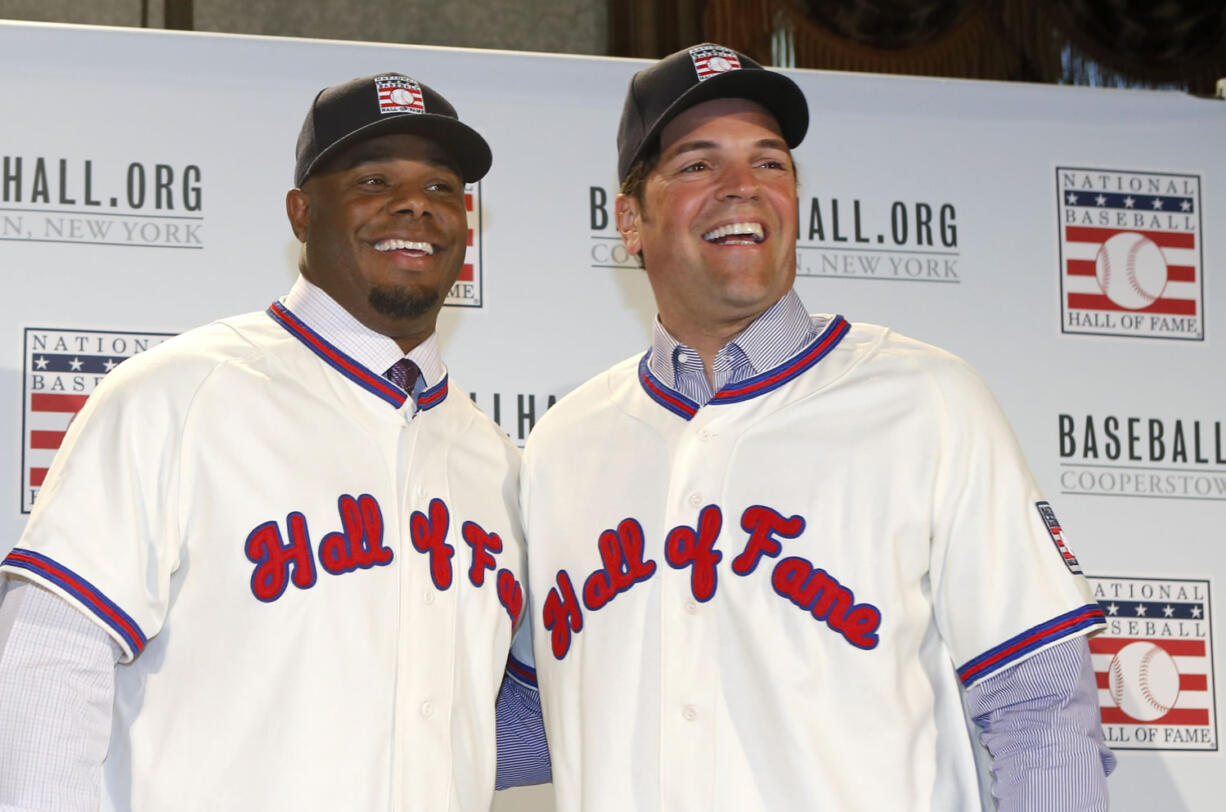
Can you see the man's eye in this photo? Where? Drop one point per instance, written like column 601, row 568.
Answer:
column 697, row 166
column 374, row 180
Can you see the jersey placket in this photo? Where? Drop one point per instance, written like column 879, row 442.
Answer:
column 426, row 633
column 689, row 631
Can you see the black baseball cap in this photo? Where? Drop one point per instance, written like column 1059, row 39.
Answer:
column 676, row 83
column 381, row 104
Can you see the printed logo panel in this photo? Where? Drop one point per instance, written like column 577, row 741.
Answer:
column 466, row 292
column 710, row 60
column 60, row 370
column 1130, row 253
column 1154, row 664
column 399, row 94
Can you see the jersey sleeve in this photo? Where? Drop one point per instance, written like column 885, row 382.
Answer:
column 102, row 532
column 1005, row 585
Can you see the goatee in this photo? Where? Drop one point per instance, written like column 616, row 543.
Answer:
column 402, row 303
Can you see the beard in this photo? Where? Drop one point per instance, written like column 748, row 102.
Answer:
column 403, row 303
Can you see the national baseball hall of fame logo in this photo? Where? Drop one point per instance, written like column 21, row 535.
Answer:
column 1131, row 259
column 466, row 292
column 1154, row 663
column 61, row 369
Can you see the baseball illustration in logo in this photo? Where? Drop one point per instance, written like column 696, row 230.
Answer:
column 1144, row 681
column 1131, row 270
column 62, row 368
column 1130, row 253
column 1154, row 664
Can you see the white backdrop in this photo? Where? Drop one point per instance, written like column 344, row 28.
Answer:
column 142, row 176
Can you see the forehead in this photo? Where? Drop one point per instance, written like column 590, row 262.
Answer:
column 721, row 119
column 387, row 148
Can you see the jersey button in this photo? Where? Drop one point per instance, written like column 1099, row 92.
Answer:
column 689, row 713
column 691, row 606
column 429, row 597
column 704, row 434
column 695, row 500
column 427, row 709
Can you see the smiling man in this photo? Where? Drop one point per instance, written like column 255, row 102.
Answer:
column 277, row 563
column 780, row 559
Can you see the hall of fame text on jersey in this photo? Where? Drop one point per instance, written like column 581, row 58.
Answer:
column 61, row 367
column 1154, row 663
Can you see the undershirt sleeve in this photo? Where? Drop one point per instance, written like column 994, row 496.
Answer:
column 57, row 686
column 1040, row 722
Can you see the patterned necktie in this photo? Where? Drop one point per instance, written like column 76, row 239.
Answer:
column 404, row 374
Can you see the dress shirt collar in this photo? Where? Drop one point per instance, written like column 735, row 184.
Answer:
column 767, row 342
column 373, row 350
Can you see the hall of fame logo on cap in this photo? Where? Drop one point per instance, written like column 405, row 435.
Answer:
column 1130, row 253
column 466, row 292
column 399, row 94
column 712, row 59
column 1154, row 663
column 61, row 369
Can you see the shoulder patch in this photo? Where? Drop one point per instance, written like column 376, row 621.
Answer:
column 1057, row 536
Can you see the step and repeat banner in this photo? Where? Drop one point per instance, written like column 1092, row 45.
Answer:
column 1068, row 242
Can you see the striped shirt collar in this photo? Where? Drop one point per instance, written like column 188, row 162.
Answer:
column 770, row 340
column 371, row 349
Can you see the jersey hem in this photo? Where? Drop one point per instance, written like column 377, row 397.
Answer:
column 522, row 673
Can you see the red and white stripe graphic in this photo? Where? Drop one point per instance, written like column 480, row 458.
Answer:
column 467, row 290
column 62, row 368
column 1167, row 682
column 466, row 273
column 1180, row 296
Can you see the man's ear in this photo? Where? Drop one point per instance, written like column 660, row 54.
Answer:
column 626, row 210
column 298, row 209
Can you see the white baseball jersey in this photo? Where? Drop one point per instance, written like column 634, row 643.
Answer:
column 314, row 589
column 769, row 602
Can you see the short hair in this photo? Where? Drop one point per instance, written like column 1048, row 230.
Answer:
column 636, row 178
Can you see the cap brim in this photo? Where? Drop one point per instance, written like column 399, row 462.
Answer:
column 774, row 91
column 462, row 143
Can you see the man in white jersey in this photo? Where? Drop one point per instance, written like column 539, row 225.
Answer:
column 773, row 556
column 277, row 562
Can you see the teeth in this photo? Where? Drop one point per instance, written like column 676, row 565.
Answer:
column 753, row 230
column 404, row 245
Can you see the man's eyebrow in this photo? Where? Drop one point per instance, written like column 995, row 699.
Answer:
column 698, row 145
column 360, row 155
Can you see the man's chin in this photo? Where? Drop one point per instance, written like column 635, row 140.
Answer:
column 403, row 303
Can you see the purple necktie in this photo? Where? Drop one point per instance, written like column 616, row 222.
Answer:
column 404, row 374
